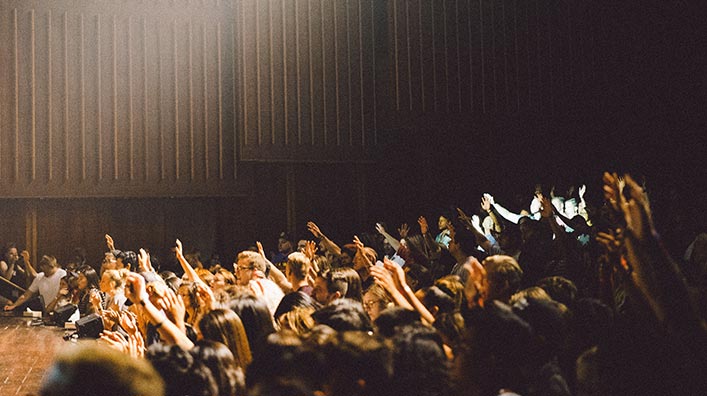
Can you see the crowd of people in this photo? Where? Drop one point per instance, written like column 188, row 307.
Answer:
column 562, row 298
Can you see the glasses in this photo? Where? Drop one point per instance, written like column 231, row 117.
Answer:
column 239, row 268
column 370, row 304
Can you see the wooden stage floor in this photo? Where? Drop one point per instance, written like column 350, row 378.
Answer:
column 26, row 352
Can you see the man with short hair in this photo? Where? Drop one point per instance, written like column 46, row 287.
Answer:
column 46, row 284
column 250, row 271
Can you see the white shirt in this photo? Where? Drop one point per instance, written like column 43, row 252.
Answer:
column 48, row 287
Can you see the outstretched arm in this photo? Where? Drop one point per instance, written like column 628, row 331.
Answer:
column 327, row 243
column 188, row 269
column 394, row 243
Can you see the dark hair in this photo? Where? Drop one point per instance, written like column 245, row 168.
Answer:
column 292, row 300
column 358, row 363
column 466, row 240
column 343, row 314
column 183, row 374
column 91, row 275
column 434, row 297
column 420, row 366
column 223, row 325
column 394, row 317
column 172, row 280
column 219, row 359
column 256, row 318
column 560, row 289
column 346, row 281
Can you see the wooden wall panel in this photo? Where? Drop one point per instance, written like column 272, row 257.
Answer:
column 309, row 79
column 131, row 98
column 488, row 57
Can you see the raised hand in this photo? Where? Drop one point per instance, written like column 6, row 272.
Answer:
column 404, row 230
column 637, row 212
column 613, row 190
column 422, row 221
column 397, row 273
column 180, row 250
column 380, row 228
column 25, row 256
column 485, row 203
column 357, row 242
column 489, row 197
column 314, row 229
column 546, row 208
column 128, row 321
column 143, row 261
column 175, row 308
column 383, row 277
column 205, row 297
column 114, row 340
column 135, row 289
column 582, row 190
column 261, row 251
column 310, row 249
column 612, row 241
column 464, row 217
column 109, row 242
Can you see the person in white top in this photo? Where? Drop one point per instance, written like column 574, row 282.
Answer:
column 46, row 283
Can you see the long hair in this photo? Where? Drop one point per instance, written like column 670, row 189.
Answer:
column 219, row 359
column 224, row 326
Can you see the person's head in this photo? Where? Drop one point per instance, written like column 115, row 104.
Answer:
column 11, row 254
column 88, row 278
column 246, row 265
column 362, row 258
column 48, row 265
column 358, row 363
column 375, row 300
column 109, row 261
column 284, row 244
column 534, row 292
column 112, row 280
column 453, row 286
column 393, row 318
column 463, row 244
column 560, row 289
column 436, row 301
column 218, row 358
column 502, row 280
column 188, row 291
column 171, row 279
column 223, row 325
column 337, row 283
column 443, row 222
column 222, row 279
column 183, row 374
column 297, row 267
column 256, row 319
column 344, row 315
column 420, row 364
column 95, row 369
column 301, row 245
column 297, row 320
column 292, row 300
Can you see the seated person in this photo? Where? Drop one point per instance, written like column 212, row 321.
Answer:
column 46, row 284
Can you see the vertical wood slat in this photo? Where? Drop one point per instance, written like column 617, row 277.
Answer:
column 33, row 100
column 205, row 99
column 114, row 77
column 190, row 97
column 82, row 87
column 219, row 81
column 271, row 68
column 175, row 64
column 99, row 101
column 145, row 129
column 67, row 154
column 50, row 118
column 131, row 162
column 16, row 53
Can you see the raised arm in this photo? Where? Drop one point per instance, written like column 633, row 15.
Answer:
column 169, row 331
column 327, row 243
column 188, row 269
column 503, row 212
column 394, row 243
column 275, row 274
column 30, row 268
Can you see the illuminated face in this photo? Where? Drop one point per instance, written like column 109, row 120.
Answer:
column 186, row 297
column 284, row 246
column 442, row 223
column 244, row 272
column 82, row 282
column 320, row 292
column 109, row 261
column 12, row 255
column 218, row 282
column 372, row 305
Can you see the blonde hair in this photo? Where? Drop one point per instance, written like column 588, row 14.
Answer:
column 117, row 277
column 298, row 320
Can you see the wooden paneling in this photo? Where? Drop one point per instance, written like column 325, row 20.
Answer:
column 129, row 98
column 489, row 57
column 309, row 79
